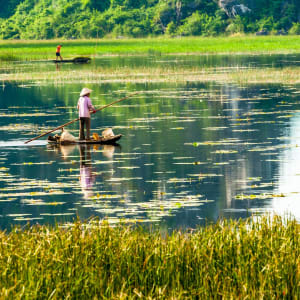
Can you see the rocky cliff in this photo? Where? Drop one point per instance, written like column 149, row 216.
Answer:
column 234, row 8
column 280, row 8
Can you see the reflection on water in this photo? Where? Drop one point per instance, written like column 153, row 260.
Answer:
column 206, row 61
column 190, row 152
column 87, row 177
column 288, row 178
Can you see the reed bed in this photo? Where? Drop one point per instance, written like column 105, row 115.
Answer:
column 231, row 260
column 288, row 75
column 45, row 49
column 8, row 56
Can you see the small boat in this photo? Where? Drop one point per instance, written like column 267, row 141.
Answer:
column 109, row 140
column 76, row 60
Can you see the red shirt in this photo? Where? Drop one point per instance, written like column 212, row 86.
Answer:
column 58, row 49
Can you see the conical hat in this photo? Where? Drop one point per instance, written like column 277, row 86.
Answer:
column 85, row 91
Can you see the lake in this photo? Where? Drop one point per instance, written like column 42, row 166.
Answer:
column 191, row 152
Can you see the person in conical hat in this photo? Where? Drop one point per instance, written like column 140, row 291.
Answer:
column 85, row 106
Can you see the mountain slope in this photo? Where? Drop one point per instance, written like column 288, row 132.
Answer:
column 46, row 19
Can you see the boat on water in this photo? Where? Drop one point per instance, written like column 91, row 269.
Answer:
column 76, row 60
column 104, row 140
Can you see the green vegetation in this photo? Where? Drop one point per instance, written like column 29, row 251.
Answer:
column 156, row 74
column 244, row 259
column 37, row 50
column 48, row 19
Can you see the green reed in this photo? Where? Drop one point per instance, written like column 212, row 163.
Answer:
column 45, row 49
column 152, row 74
column 4, row 56
column 231, row 259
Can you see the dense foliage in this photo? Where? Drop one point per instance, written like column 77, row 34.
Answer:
column 233, row 260
column 47, row 19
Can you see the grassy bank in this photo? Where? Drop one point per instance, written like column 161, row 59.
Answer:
column 33, row 50
column 233, row 260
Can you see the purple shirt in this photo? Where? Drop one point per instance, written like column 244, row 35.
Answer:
column 84, row 106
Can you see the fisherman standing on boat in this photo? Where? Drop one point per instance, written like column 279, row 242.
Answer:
column 58, row 53
column 85, row 106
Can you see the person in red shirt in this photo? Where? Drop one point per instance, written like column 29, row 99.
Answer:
column 58, row 53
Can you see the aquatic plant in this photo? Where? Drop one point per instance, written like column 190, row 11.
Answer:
column 156, row 74
column 252, row 259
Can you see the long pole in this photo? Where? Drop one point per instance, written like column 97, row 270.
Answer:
column 70, row 122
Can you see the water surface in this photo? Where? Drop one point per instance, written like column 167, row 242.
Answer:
column 191, row 153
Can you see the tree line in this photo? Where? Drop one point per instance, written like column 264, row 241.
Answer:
column 71, row 19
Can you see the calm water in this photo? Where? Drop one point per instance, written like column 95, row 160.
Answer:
column 190, row 153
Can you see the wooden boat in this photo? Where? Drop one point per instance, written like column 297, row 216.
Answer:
column 76, row 60
column 111, row 140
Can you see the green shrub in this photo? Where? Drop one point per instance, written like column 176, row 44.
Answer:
column 171, row 29
column 295, row 29
column 267, row 24
column 236, row 26
column 195, row 24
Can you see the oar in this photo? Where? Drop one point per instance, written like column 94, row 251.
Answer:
column 70, row 122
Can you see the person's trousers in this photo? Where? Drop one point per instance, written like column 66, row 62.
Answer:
column 84, row 122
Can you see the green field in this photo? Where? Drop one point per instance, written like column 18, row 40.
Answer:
column 230, row 260
column 33, row 50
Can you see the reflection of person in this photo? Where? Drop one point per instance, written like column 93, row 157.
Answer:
column 85, row 106
column 108, row 151
column 58, row 67
column 58, row 53
column 87, row 178
column 66, row 150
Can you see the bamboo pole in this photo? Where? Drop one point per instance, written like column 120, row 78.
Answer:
column 70, row 122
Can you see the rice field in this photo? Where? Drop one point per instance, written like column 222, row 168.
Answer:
column 250, row 259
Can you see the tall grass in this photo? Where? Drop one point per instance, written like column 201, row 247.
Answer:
column 30, row 50
column 154, row 74
column 6, row 56
column 231, row 259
